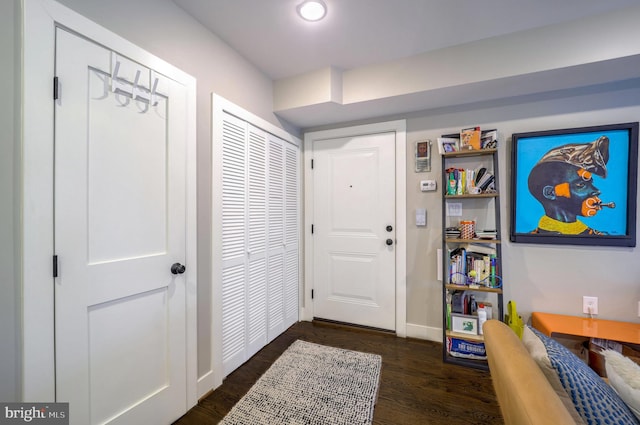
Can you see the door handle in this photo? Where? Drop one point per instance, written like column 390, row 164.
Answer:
column 389, row 242
column 178, row 268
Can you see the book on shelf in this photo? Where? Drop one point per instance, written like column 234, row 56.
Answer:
column 458, row 266
column 485, row 181
column 486, row 234
column 472, row 264
column 461, row 181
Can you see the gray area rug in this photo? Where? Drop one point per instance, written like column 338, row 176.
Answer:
column 312, row 384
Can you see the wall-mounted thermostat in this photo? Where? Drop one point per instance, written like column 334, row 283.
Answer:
column 427, row 185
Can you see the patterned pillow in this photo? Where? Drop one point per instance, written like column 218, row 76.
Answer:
column 538, row 352
column 596, row 401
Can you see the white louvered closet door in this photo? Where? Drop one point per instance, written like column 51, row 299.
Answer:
column 234, row 247
column 283, row 230
column 260, row 239
column 275, row 189
column 291, row 233
column 257, row 238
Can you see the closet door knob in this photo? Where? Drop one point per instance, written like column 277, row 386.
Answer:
column 389, row 242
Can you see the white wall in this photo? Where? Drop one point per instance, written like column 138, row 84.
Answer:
column 9, row 288
column 165, row 30
column 538, row 277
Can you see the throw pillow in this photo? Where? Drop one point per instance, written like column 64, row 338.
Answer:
column 596, row 401
column 624, row 377
column 538, row 352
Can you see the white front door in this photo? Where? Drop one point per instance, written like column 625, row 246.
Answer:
column 354, row 230
column 120, row 142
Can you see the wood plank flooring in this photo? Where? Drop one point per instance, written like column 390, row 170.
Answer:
column 416, row 387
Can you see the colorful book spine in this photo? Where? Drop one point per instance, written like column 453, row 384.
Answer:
column 492, row 277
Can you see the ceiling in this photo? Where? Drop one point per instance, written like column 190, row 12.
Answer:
column 359, row 33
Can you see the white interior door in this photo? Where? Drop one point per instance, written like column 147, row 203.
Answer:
column 119, row 227
column 354, row 230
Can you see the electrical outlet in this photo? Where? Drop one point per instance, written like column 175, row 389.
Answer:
column 590, row 305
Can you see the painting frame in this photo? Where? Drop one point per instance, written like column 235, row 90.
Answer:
column 423, row 156
column 464, row 324
column 608, row 170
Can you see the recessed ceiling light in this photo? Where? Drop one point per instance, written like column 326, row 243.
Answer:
column 312, row 10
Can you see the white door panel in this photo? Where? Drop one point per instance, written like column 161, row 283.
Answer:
column 119, row 226
column 291, row 233
column 354, row 202
column 256, row 307
column 276, row 242
column 127, row 216
column 234, row 244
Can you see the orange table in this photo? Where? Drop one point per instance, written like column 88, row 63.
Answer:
column 548, row 324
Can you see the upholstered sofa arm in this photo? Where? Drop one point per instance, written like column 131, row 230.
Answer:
column 524, row 394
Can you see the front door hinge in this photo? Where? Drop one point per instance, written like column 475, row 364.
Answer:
column 312, row 294
column 55, row 266
column 312, row 228
column 56, row 88
column 312, row 164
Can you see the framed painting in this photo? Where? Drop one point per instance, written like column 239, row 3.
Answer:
column 464, row 324
column 575, row 186
column 423, row 156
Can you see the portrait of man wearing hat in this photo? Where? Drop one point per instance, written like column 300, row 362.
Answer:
column 562, row 181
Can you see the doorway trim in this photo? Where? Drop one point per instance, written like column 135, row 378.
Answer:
column 40, row 17
column 399, row 128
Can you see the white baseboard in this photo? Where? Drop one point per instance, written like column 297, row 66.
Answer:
column 424, row 332
column 205, row 384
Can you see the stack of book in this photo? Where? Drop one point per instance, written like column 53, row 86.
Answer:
column 486, row 234
column 452, row 232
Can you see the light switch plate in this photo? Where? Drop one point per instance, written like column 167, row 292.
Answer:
column 421, row 217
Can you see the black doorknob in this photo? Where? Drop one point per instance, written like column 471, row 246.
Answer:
column 389, row 242
column 389, row 228
column 177, row 268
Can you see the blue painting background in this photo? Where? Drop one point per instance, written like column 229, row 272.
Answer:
column 612, row 188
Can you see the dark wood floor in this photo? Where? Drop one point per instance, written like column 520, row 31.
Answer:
column 416, row 387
